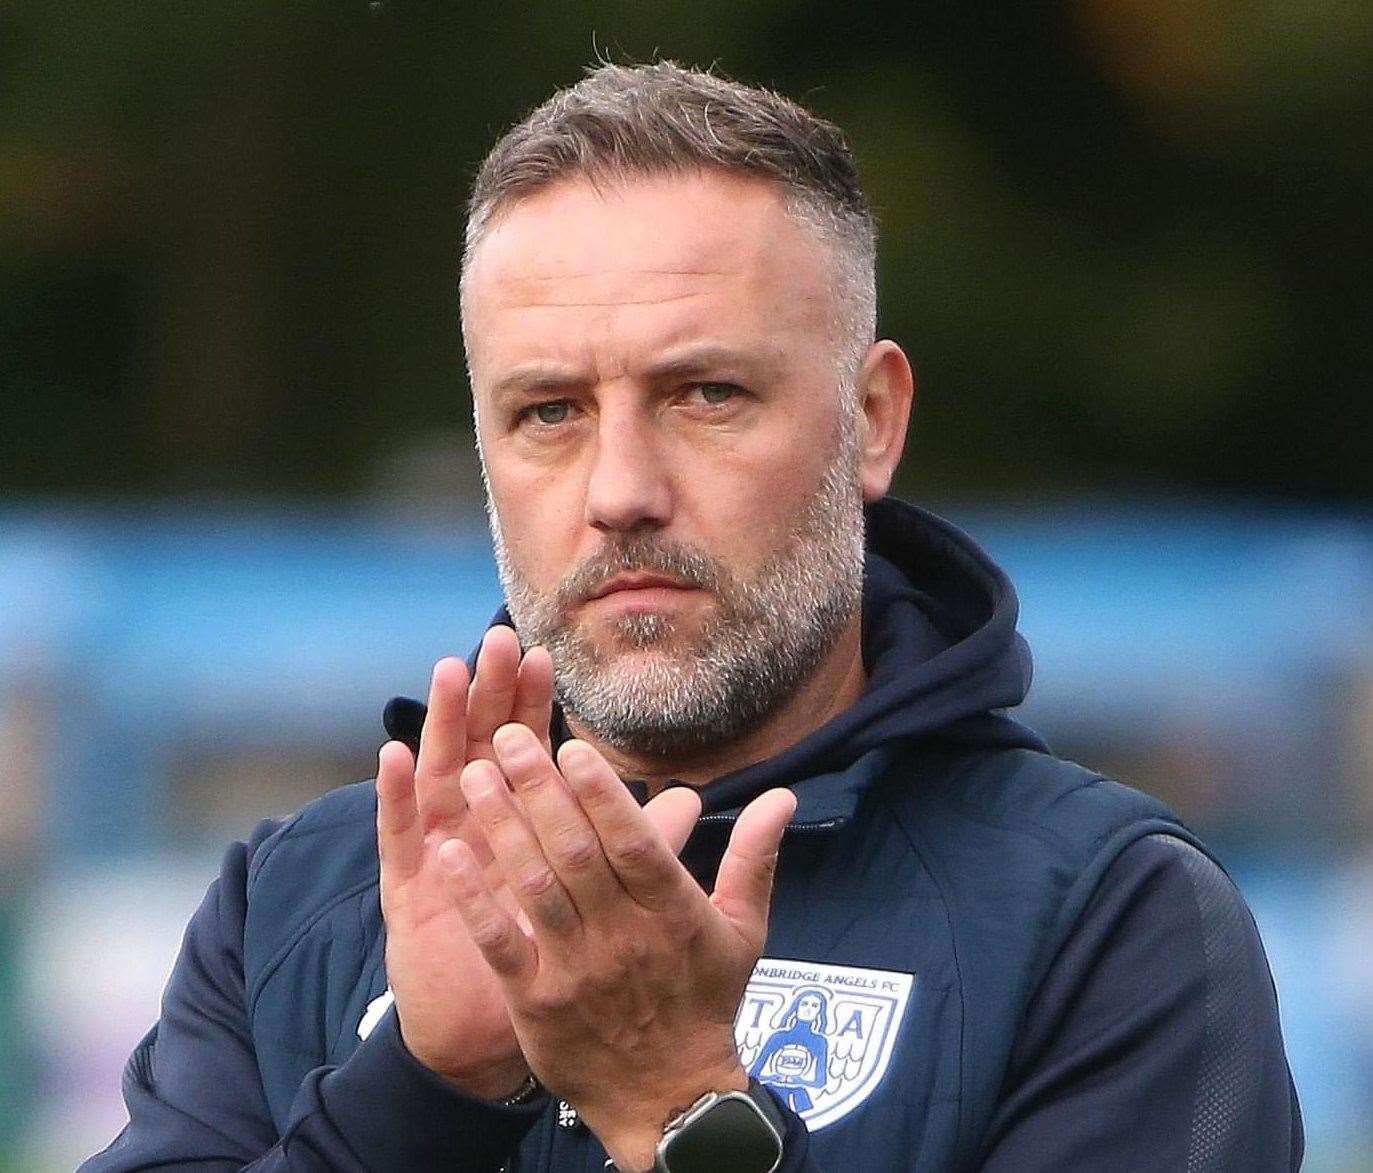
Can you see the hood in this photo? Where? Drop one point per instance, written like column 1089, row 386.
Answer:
column 942, row 655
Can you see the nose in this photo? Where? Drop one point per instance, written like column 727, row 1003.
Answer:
column 629, row 486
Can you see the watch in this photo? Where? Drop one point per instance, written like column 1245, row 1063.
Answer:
column 724, row 1132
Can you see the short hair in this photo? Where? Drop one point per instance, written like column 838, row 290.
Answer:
column 661, row 119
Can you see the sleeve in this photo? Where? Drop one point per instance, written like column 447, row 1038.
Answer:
column 1153, row 1041
column 195, row 1097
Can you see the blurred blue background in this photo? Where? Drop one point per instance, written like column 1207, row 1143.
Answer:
column 1126, row 243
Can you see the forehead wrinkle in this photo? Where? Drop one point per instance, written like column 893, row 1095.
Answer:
column 655, row 272
column 536, row 285
column 610, row 303
column 606, row 287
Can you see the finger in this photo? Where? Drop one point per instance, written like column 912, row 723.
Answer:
column 533, row 703
column 568, row 839
column 528, row 874
column 443, row 746
column 400, row 835
column 637, row 850
column 743, row 885
column 492, row 694
column 675, row 812
column 494, row 931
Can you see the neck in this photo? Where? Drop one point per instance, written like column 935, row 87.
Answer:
column 835, row 685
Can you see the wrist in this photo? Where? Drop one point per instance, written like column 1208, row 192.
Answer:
column 504, row 1083
column 631, row 1138
column 496, row 1076
column 499, row 1080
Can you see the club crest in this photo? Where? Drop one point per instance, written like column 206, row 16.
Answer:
column 820, row 1036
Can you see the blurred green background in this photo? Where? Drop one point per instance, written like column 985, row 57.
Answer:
column 1126, row 243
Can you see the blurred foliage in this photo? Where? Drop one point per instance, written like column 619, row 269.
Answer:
column 1125, row 241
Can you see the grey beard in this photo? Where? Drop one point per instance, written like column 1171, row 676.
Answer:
column 642, row 693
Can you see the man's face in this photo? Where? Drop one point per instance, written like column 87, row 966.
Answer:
column 671, row 463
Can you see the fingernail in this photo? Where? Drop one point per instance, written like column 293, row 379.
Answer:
column 511, row 739
column 452, row 856
column 476, row 783
column 577, row 756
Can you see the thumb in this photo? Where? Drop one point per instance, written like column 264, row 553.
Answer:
column 743, row 885
column 674, row 813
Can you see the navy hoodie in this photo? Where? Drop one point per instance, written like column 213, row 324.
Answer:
column 979, row 956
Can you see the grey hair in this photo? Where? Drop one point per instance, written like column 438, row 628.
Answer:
column 661, row 119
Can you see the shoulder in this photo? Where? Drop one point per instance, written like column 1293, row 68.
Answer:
column 325, row 853
column 1176, row 902
column 1036, row 790
column 1004, row 809
column 1018, row 841
column 345, row 818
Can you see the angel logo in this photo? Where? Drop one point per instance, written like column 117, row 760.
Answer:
column 821, row 1036
column 797, row 1057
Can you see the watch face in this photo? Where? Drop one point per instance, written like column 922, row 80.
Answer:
column 731, row 1136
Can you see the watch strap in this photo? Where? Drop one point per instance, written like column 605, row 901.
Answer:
column 768, row 1105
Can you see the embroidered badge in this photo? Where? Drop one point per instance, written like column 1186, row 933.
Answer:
column 821, row 1036
column 376, row 1008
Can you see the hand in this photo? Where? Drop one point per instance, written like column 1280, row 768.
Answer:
column 451, row 1006
column 624, row 983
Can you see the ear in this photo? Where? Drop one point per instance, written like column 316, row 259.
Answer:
column 886, row 389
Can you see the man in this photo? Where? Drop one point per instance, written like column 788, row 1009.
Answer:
column 927, row 944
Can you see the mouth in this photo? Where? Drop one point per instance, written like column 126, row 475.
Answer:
column 640, row 583
column 642, row 593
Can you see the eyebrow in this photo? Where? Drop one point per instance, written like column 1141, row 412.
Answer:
column 686, row 361
column 535, row 375
column 699, row 359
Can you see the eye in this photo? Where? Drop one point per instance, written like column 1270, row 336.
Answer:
column 553, row 411
column 717, row 393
